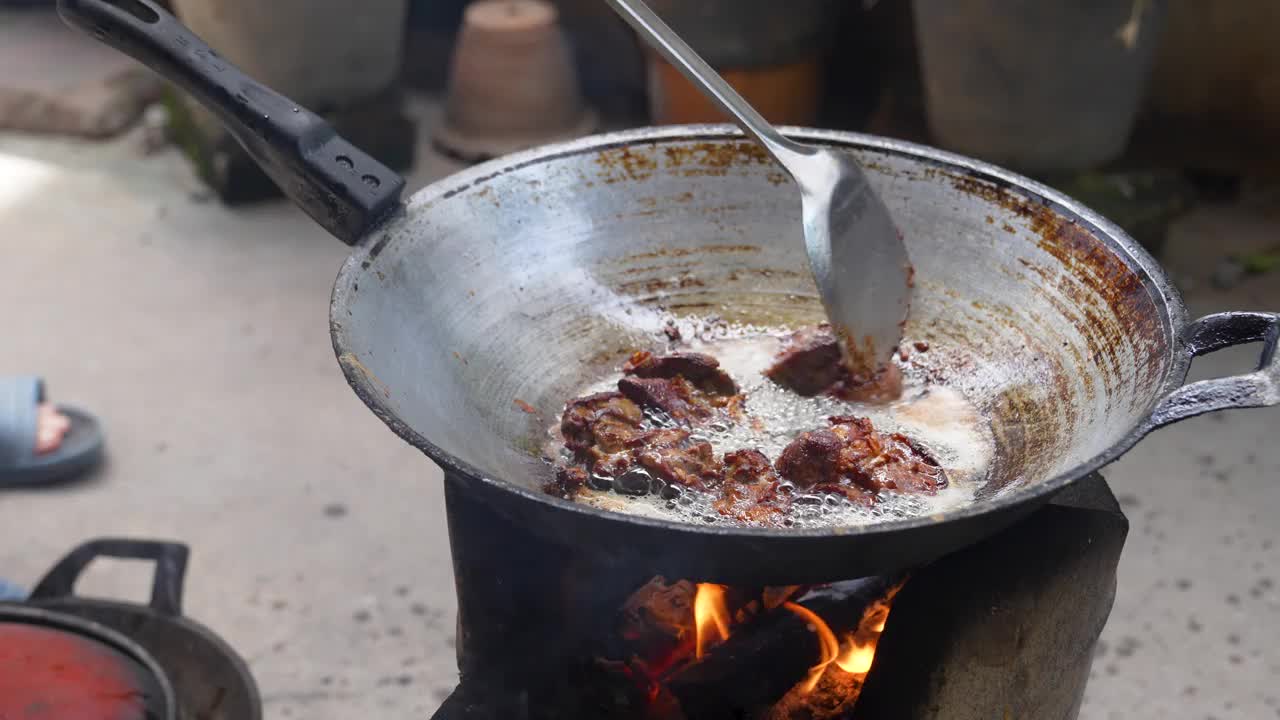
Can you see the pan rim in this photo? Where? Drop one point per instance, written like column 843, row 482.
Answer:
column 1156, row 283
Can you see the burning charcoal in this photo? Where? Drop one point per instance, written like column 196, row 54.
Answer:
column 604, row 420
column 635, row 481
column 701, row 370
column 656, row 622
column 773, row 596
column 747, row 674
column 810, row 362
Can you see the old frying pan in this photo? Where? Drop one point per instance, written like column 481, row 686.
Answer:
column 523, row 278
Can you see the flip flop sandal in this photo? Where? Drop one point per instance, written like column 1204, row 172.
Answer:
column 79, row 451
column 10, row 592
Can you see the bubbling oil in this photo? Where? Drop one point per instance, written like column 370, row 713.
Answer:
column 937, row 419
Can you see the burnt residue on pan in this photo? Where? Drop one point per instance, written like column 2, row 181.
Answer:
column 1108, row 304
column 700, row 159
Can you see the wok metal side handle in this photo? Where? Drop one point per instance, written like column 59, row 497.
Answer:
column 1259, row 388
column 338, row 185
column 170, row 560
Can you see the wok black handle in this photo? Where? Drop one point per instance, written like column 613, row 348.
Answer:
column 1259, row 388
column 166, row 585
column 338, row 185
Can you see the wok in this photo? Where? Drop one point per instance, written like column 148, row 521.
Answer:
column 526, row 277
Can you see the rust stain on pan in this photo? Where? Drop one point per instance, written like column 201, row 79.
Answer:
column 685, row 252
column 1114, row 307
column 714, row 158
column 353, row 362
column 1026, row 437
column 642, row 269
column 625, row 163
column 653, row 285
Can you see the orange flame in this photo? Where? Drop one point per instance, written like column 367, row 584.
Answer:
column 859, row 647
column 830, row 647
column 854, row 656
column 709, row 613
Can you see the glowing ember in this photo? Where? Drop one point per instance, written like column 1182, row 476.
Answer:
column 856, row 658
column 860, row 645
column 709, row 613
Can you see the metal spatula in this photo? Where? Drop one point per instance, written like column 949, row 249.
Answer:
column 857, row 257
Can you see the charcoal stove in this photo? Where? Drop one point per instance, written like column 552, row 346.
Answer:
column 1003, row 628
column 64, row 656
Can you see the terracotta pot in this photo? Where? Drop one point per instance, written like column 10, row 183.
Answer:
column 512, row 83
column 787, row 94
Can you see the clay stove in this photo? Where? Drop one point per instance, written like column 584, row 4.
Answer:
column 1003, row 629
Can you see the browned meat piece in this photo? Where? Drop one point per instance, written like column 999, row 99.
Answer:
column 672, row 455
column 678, row 398
column 750, row 491
column 605, row 421
column 703, row 371
column 747, row 466
column 885, row 386
column 853, row 457
column 810, row 458
column 674, row 396
column 760, row 504
column 660, row 438
column 810, row 362
column 885, row 461
column 569, row 480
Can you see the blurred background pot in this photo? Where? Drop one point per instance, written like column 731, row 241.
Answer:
column 1039, row 86
column 773, row 53
column 322, row 53
column 341, row 58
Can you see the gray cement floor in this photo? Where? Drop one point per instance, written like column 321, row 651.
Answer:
column 200, row 338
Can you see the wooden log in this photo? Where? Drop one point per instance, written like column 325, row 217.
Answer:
column 762, row 661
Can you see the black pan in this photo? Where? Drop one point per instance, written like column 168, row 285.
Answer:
column 514, row 284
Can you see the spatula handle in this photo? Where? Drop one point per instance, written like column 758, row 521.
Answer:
column 662, row 38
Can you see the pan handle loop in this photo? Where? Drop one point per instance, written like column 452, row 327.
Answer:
column 342, row 188
column 1259, row 388
column 170, row 560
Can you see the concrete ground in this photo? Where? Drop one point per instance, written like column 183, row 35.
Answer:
column 200, row 338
